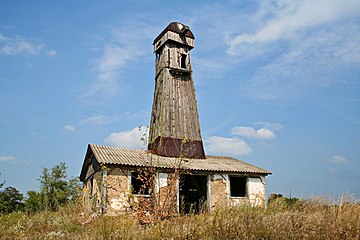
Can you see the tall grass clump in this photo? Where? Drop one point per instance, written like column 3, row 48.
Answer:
column 300, row 219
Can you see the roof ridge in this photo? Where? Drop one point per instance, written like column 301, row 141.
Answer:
column 114, row 147
column 139, row 157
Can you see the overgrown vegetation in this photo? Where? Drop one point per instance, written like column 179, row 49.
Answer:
column 56, row 190
column 54, row 213
column 303, row 219
column 10, row 200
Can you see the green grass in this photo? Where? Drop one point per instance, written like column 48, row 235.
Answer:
column 305, row 219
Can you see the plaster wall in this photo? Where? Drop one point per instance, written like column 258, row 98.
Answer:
column 166, row 193
column 256, row 191
column 118, row 191
column 165, row 197
column 92, row 192
column 218, row 190
column 119, row 197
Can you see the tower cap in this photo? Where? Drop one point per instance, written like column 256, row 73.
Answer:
column 176, row 27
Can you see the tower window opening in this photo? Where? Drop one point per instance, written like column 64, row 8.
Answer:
column 158, row 54
column 183, row 60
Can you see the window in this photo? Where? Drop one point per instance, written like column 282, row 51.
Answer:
column 238, row 186
column 183, row 60
column 158, row 54
column 141, row 183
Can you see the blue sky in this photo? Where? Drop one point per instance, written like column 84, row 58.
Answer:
column 277, row 84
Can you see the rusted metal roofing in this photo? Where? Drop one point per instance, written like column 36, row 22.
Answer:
column 176, row 28
column 142, row 158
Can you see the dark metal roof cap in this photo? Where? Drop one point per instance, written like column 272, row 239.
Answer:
column 176, row 28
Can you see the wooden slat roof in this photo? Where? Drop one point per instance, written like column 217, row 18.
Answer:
column 141, row 158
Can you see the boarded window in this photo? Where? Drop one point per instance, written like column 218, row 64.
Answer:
column 238, row 186
column 141, row 183
column 183, row 60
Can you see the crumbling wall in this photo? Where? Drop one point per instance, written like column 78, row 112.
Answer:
column 94, row 189
column 218, row 190
column 117, row 191
column 256, row 190
column 234, row 201
column 166, row 193
column 255, row 193
column 86, row 196
column 109, row 189
column 119, row 197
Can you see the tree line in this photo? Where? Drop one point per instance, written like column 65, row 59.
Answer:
column 56, row 190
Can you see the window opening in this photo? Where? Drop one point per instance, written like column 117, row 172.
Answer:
column 183, row 60
column 158, row 54
column 141, row 183
column 238, row 186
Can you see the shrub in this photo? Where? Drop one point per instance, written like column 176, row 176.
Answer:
column 10, row 200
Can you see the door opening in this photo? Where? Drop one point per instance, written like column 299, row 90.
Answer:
column 193, row 193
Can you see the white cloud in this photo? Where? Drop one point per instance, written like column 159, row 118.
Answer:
column 227, row 146
column 302, row 45
column 51, row 53
column 15, row 45
column 135, row 138
column 338, row 159
column 7, row 158
column 99, row 120
column 2, row 38
column 18, row 45
column 271, row 125
column 127, row 44
column 288, row 18
column 282, row 48
column 236, row 145
column 69, row 128
column 262, row 133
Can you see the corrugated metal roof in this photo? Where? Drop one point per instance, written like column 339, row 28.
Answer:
column 141, row 158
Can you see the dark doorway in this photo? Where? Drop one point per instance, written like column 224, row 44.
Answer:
column 193, row 193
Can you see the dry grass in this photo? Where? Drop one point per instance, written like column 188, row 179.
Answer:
column 311, row 219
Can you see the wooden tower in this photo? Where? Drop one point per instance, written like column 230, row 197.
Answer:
column 174, row 125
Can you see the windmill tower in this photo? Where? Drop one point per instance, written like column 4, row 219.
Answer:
column 174, row 125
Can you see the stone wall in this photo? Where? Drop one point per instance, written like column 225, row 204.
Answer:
column 256, row 191
column 219, row 192
column 117, row 191
column 165, row 194
column 92, row 192
column 120, row 199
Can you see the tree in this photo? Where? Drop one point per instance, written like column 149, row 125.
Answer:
column 75, row 188
column 10, row 200
column 33, row 202
column 56, row 189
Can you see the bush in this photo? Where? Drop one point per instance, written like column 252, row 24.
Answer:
column 10, row 200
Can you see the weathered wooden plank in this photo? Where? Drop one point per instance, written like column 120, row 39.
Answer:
column 174, row 111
